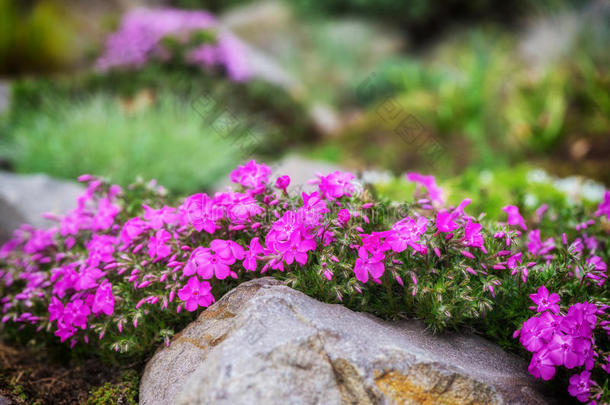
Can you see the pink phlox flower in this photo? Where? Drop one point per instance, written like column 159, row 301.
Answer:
column 156, row 218
column 591, row 242
column 597, row 263
column 101, row 249
column 87, row 278
column 215, row 260
column 104, row 217
column 103, row 300
column 580, row 386
column 202, row 213
column 141, row 31
column 541, row 366
column 76, row 313
column 282, row 182
column 567, row 350
column 535, row 245
column 196, row 294
column 39, row 240
column 546, row 301
column 252, row 176
column 242, row 208
column 131, row 230
column 56, row 309
column 514, row 260
column 158, row 248
column 64, row 278
column 343, row 216
column 297, row 251
column 514, row 217
column 472, row 235
column 375, row 242
column 538, row 331
column 336, row 185
column 369, row 263
column 407, row 232
column 72, row 223
column 604, row 206
column 580, row 320
column 435, row 193
column 445, row 221
column 252, row 253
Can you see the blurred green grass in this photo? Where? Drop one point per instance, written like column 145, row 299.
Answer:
column 99, row 134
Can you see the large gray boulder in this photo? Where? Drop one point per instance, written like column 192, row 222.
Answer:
column 265, row 343
column 25, row 197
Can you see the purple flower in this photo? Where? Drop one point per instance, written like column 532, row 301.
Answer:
column 566, row 350
column 87, row 278
column 292, row 236
column 157, row 218
column 429, row 182
column 241, row 208
column 580, row 386
column 343, row 216
column 535, row 245
column 604, row 206
column 546, row 301
column 541, row 366
column 252, row 176
column 335, row 185
column 407, row 232
column 251, row 255
column 445, row 221
column 104, row 218
column 369, row 263
column 131, row 230
column 514, row 217
column 101, row 249
column 196, row 294
column 103, row 300
column 201, row 212
column 157, row 245
column 282, row 182
column 537, row 331
column 215, row 260
column 472, row 235
column 139, row 40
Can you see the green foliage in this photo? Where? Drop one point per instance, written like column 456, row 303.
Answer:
column 118, row 124
column 31, row 39
column 487, row 106
column 166, row 140
column 124, row 391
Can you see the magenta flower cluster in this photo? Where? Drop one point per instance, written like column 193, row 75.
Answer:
column 113, row 264
column 140, row 36
column 565, row 340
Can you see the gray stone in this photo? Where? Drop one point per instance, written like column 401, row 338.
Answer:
column 265, row 343
column 24, row 198
column 5, row 400
column 5, row 96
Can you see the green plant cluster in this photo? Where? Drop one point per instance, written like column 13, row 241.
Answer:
column 148, row 123
column 476, row 95
column 123, row 392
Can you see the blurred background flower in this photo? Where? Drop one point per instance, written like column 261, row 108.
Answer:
column 181, row 90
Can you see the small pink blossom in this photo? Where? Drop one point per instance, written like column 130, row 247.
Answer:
column 546, row 301
column 514, row 217
column 196, row 294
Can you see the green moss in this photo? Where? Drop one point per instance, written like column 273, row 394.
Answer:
column 125, row 391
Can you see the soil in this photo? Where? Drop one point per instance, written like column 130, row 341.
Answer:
column 31, row 376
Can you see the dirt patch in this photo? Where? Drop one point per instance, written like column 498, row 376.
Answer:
column 30, row 376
